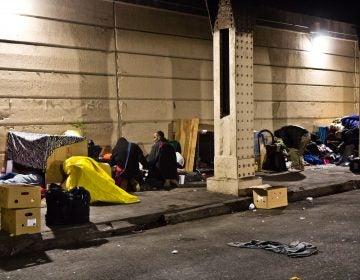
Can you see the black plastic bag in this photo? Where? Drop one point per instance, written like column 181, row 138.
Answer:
column 67, row 207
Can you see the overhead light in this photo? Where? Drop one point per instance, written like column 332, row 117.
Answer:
column 319, row 42
column 319, row 38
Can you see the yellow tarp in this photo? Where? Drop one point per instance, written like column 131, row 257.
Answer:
column 86, row 172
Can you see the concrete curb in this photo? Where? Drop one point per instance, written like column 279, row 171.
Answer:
column 74, row 235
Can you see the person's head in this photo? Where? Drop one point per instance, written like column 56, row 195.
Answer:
column 158, row 136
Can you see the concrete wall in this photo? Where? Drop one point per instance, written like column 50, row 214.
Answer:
column 115, row 68
column 121, row 69
column 295, row 84
column 164, row 69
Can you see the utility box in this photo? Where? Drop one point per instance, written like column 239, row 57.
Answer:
column 16, row 196
column 267, row 197
column 21, row 221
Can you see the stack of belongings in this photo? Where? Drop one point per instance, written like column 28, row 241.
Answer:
column 20, row 209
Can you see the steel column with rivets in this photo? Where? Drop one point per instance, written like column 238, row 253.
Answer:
column 234, row 144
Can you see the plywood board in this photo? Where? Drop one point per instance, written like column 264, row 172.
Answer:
column 160, row 44
column 163, row 88
column 25, row 29
column 42, row 85
column 97, row 12
column 161, row 21
column 167, row 67
column 38, row 58
column 186, row 134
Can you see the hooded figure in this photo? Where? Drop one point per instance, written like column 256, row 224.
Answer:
column 128, row 155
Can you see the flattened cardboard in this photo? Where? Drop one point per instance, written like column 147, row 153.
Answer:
column 268, row 197
column 21, row 221
column 54, row 172
column 17, row 196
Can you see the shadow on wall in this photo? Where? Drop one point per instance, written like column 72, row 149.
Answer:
column 95, row 87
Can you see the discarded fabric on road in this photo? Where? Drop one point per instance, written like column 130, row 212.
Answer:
column 295, row 249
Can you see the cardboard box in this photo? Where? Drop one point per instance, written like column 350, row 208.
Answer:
column 21, row 221
column 54, row 172
column 267, row 197
column 16, row 196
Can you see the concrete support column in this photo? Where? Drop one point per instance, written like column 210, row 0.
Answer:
column 233, row 122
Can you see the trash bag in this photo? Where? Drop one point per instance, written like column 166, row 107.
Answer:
column 86, row 172
column 67, row 207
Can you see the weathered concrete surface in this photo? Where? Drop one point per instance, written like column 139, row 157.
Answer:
column 158, row 208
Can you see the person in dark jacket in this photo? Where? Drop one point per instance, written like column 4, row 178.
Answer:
column 128, row 155
column 162, row 163
column 295, row 139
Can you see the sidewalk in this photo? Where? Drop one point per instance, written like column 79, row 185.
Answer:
column 192, row 201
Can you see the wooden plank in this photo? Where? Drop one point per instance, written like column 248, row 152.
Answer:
column 161, row 21
column 295, row 110
column 280, row 38
column 190, row 160
column 38, row 58
column 42, row 85
column 186, row 134
column 24, row 29
column 42, row 111
column 302, row 59
column 268, row 74
column 283, row 92
column 161, row 44
column 163, row 110
column 166, row 67
column 162, row 88
column 95, row 12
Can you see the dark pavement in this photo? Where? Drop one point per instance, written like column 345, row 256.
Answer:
column 198, row 249
column 191, row 201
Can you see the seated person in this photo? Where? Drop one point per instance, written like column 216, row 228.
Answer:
column 24, row 175
column 295, row 139
column 127, row 156
column 162, row 163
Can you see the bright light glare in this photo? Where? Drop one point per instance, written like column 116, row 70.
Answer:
column 319, row 43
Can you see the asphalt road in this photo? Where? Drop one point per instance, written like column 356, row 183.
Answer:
column 199, row 250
